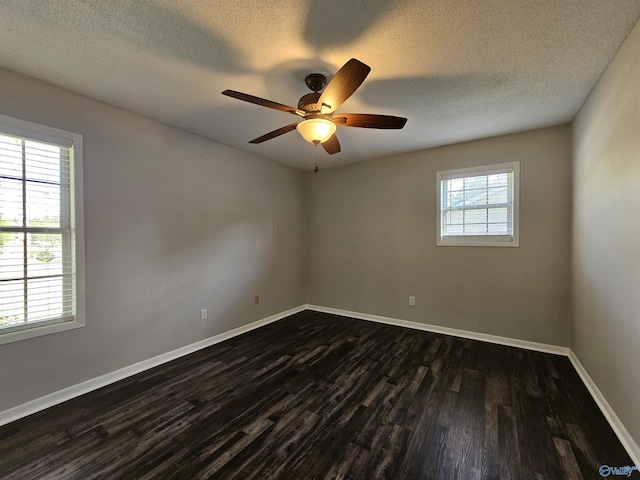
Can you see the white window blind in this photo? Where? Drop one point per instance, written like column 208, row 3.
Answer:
column 37, row 243
column 478, row 205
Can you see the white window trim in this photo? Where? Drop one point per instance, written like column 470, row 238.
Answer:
column 480, row 240
column 44, row 133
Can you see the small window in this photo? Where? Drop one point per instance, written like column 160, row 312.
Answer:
column 479, row 206
column 40, row 230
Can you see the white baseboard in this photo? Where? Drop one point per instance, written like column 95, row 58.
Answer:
column 483, row 337
column 68, row 393
column 623, row 435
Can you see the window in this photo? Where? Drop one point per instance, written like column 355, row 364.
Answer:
column 41, row 241
column 479, row 206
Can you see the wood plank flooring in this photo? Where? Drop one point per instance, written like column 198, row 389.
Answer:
column 318, row 396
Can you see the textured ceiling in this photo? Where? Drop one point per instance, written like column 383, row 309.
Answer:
column 458, row 70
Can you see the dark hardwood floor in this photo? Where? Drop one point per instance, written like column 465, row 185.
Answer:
column 318, row 396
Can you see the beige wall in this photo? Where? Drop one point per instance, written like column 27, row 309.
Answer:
column 605, row 332
column 173, row 223
column 372, row 241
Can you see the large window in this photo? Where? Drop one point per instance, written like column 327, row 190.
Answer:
column 479, row 206
column 40, row 230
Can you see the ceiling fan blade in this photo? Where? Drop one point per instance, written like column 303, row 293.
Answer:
column 275, row 133
column 262, row 102
column 342, row 85
column 332, row 145
column 365, row 120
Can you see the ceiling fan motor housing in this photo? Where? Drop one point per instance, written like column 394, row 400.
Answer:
column 308, row 102
column 315, row 82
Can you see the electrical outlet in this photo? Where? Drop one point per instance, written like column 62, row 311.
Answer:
column 256, row 299
column 412, row 300
column 203, row 314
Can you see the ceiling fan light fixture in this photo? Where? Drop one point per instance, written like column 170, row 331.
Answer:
column 316, row 130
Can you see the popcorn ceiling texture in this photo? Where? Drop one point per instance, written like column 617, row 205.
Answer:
column 458, row 70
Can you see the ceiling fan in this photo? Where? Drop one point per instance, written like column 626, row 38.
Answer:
column 317, row 110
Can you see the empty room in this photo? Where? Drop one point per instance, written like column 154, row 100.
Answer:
column 339, row 239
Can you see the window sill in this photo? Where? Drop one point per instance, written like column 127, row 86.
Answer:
column 40, row 331
column 474, row 242
column 487, row 244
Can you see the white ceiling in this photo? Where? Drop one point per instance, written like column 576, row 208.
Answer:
column 458, row 70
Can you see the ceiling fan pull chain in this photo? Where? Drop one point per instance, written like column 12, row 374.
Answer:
column 315, row 163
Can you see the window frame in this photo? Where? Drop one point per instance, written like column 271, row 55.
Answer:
column 43, row 133
column 480, row 240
